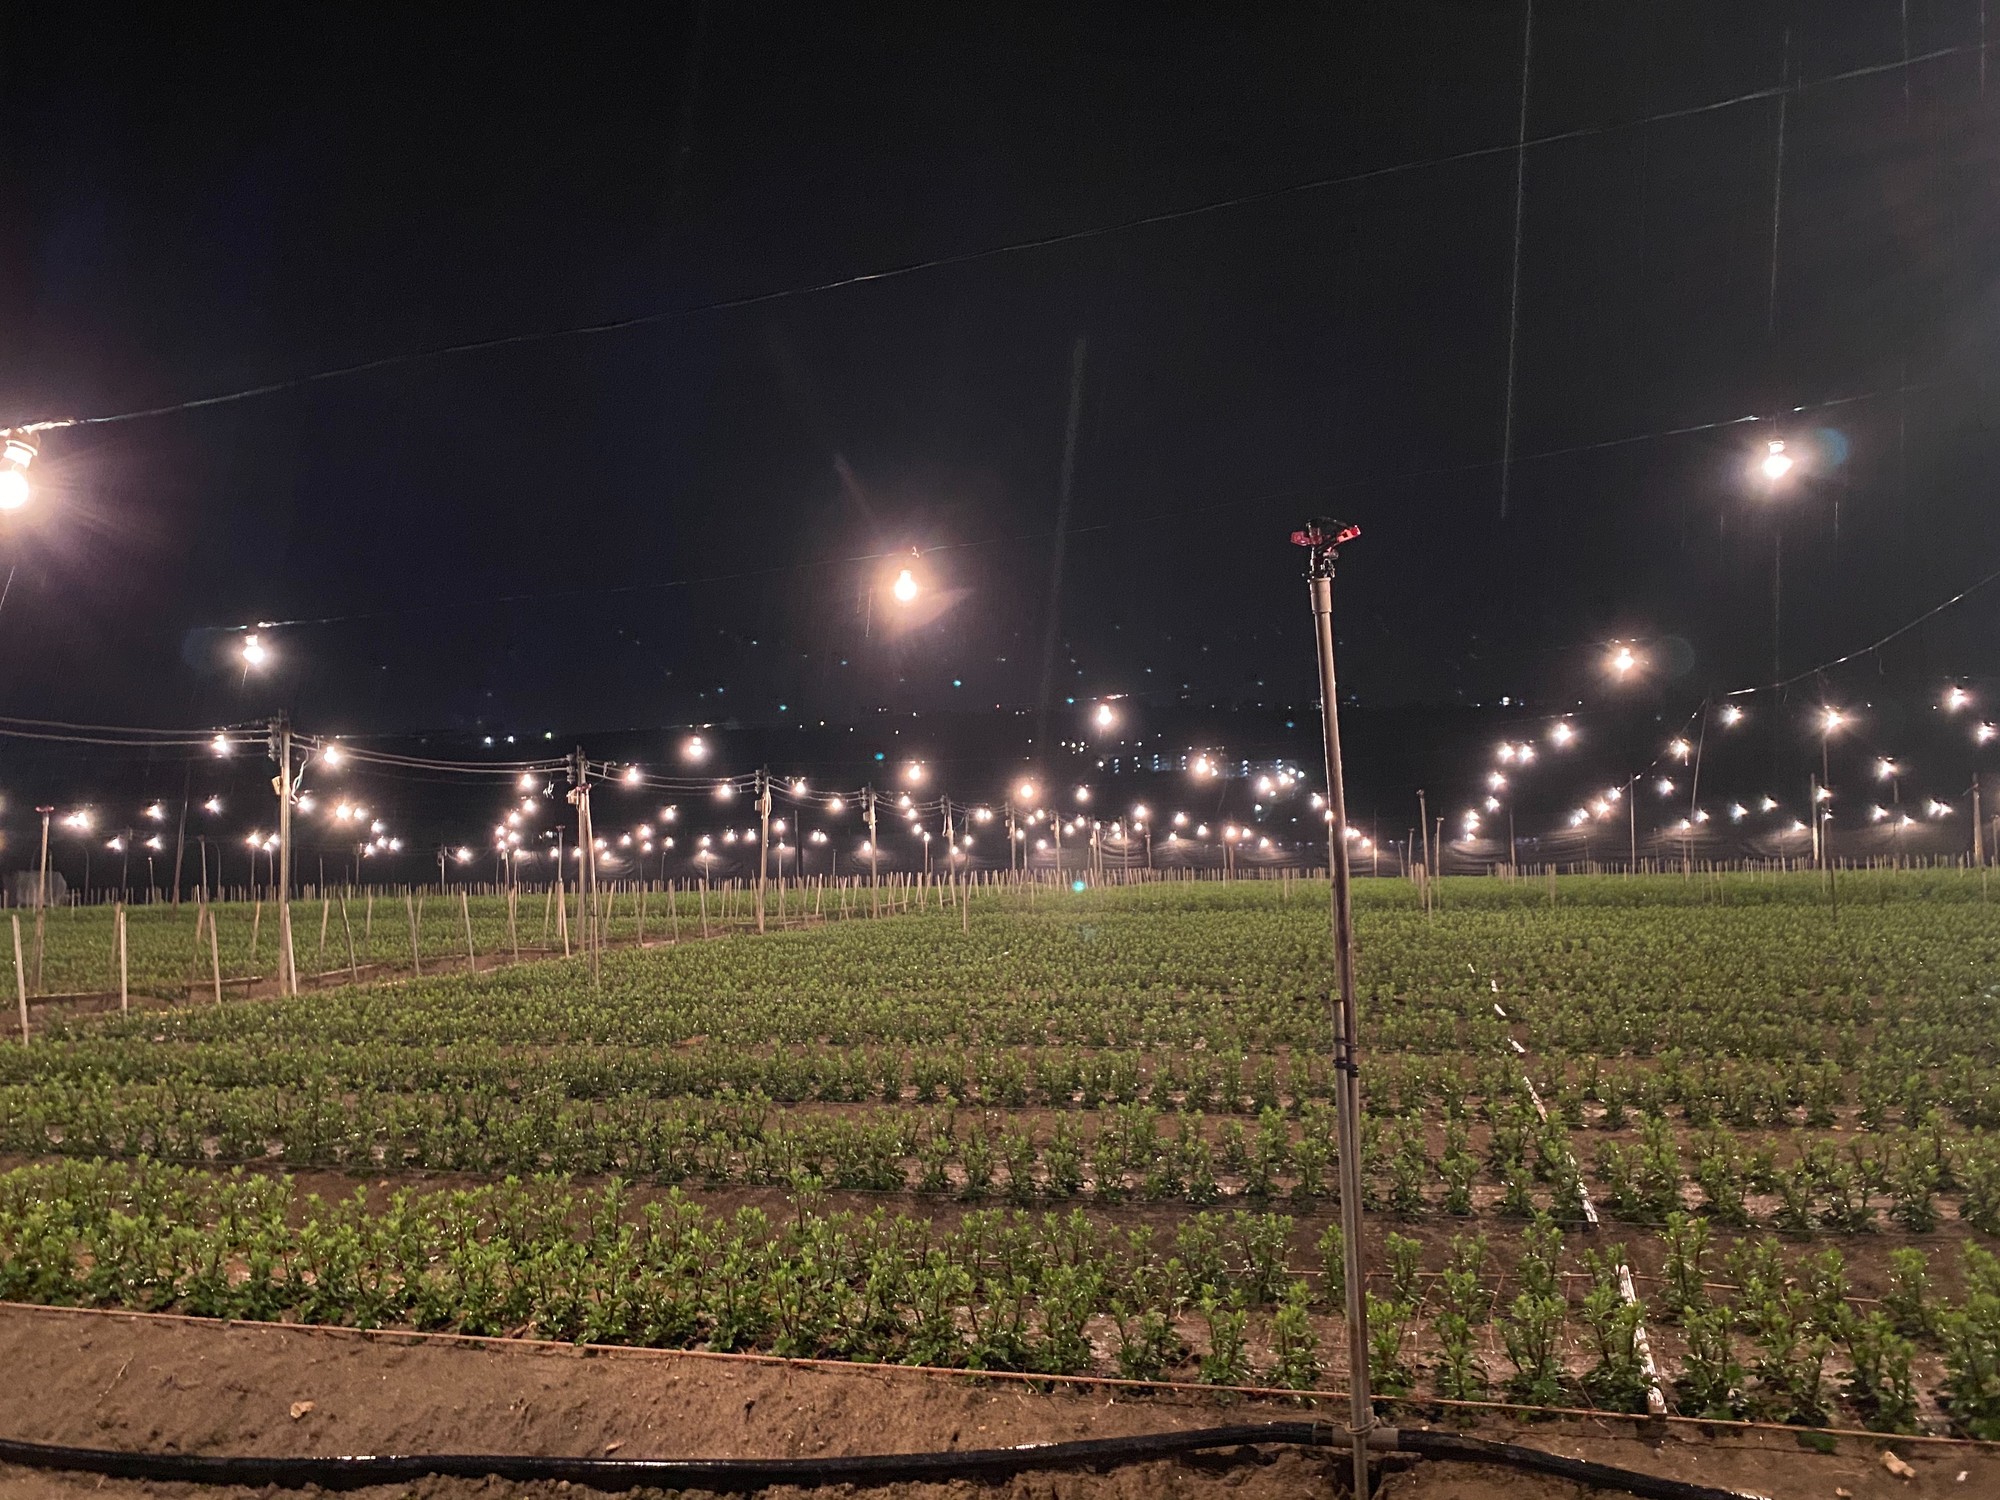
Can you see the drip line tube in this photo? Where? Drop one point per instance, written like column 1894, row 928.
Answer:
column 741, row 1475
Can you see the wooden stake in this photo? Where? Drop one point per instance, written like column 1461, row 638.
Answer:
column 416, row 954
column 513, row 939
column 124, row 975
column 465, row 911
column 368, row 924
column 325, row 913
column 20, row 977
column 347, row 931
column 256, row 922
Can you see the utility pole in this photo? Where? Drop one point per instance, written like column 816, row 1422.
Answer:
column 1322, row 538
column 288, row 979
column 874, row 848
column 1632, row 823
column 763, row 839
column 1978, row 836
column 586, row 860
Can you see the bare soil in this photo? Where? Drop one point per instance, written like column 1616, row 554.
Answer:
column 130, row 1382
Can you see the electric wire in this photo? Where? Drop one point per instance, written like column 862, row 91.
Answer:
column 1517, row 147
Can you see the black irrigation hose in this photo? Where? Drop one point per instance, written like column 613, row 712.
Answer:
column 737, row 1475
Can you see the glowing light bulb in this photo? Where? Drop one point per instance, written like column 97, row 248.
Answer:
column 1106, row 716
column 13, row 489
column 632, row 776
column 253, row 650
column 1777, row 462
column 1562, row 733
column 905, row 587
column 1731, row 714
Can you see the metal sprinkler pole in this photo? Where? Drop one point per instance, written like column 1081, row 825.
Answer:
column 1322, row 538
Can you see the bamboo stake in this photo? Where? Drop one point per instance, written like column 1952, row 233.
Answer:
column 368, row 922
column 325, row 912
column 465, row 911
column 124, row 973
column 416, row 955
column 513, row 940
column 674, row 910
column 214, row 956
column 256, row 922
column 562, row 918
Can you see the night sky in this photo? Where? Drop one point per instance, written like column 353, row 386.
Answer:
column 667, row 525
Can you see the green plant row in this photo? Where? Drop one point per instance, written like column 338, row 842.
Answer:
column 1882, row 1085
column 1911, row 1177
column 1218, row 1300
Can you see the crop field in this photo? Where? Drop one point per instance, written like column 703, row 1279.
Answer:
column 358, row 930
column 1093, row 1133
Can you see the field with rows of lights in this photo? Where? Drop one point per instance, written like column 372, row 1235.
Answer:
column 1088, row 1133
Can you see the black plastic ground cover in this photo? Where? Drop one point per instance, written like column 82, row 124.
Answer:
column 740, row 1475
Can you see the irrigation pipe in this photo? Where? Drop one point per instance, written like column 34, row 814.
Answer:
column 738, row 1475
column 553, row 1347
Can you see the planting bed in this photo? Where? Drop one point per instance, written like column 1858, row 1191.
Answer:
column 1093, row 1135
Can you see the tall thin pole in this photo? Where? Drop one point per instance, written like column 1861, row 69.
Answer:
column 763, row 839
column 180, row 831
column 41, row 907
column 1321, row 537
column 874, row 871
column 1632, row 823
column 288, row 979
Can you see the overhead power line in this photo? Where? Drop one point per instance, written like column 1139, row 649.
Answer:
column 1523, row 143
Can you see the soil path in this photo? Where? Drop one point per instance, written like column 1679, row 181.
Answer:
column 137, row 1383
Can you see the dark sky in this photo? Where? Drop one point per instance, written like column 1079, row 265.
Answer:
column 201, row 199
